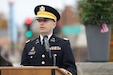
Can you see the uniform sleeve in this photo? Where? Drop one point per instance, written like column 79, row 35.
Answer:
column 24, row 59
column 68, row 58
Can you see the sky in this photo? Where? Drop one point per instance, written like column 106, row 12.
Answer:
column 25, row 8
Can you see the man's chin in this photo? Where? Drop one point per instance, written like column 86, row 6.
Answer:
column 43, row 33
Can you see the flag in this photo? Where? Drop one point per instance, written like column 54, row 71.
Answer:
column 104, row 27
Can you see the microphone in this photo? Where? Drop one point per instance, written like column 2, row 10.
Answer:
column 47, row 45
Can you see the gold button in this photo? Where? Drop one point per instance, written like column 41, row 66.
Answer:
column 43, row 56
column 43, row 62
column 55, row 54
column 31, row 56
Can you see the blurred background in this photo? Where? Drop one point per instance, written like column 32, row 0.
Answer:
column 18, row 24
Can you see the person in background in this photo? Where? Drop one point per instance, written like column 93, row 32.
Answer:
column 59, row 53
column 4, row 62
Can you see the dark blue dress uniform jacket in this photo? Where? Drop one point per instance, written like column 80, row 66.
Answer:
column 34, row 54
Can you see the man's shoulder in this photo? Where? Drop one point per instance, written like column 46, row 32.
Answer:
column 28, row 41
column 62, row 39
column 65, row 39
column 31, row 41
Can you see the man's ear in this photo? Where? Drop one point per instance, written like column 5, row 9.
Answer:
column 54, row 24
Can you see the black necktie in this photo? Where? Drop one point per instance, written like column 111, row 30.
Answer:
column 44, row 38
column 46, row 45
column 43, row 41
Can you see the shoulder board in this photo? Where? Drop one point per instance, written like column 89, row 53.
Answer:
column 65, row 38
column 27, row 41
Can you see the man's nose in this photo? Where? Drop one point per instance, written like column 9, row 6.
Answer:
column 41, row 22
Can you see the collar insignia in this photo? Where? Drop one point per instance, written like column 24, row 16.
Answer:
column 37, row 41
column 42, row 8
column 53, row 40
column 65, row 39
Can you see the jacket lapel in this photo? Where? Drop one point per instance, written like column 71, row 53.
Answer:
column 38, row 45
column 53, row 40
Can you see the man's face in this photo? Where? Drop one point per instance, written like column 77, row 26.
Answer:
column 46, row 26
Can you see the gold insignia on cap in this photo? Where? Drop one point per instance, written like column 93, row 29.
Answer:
column 42, row 8
column 27, row 41
column 65, row 38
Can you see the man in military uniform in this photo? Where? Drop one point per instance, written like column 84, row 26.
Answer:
column 59, row 53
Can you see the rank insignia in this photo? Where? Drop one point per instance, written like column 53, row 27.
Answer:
column 27, row 41
column 53, row 40
column 65, row 39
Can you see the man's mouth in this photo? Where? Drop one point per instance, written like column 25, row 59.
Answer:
column 42, row 27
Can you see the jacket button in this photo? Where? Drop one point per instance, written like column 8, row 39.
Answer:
column 31, row 56
column 43, row 56
column 43, row 62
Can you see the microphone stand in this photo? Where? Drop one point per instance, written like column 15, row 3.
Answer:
column 47, row 47
column 54, row 63
column 54, row 59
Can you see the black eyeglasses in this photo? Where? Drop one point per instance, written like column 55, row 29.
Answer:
column 44, row 19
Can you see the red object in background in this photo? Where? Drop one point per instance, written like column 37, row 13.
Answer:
column 28, row 21
column 111, row 43
column 59, row 23
column 104, row 27
column 28, row 25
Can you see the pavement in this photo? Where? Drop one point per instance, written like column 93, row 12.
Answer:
column 95, row 68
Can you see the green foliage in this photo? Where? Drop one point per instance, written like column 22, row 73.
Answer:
column 91, row 11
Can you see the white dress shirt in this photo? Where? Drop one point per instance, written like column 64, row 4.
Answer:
column 41, row 38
